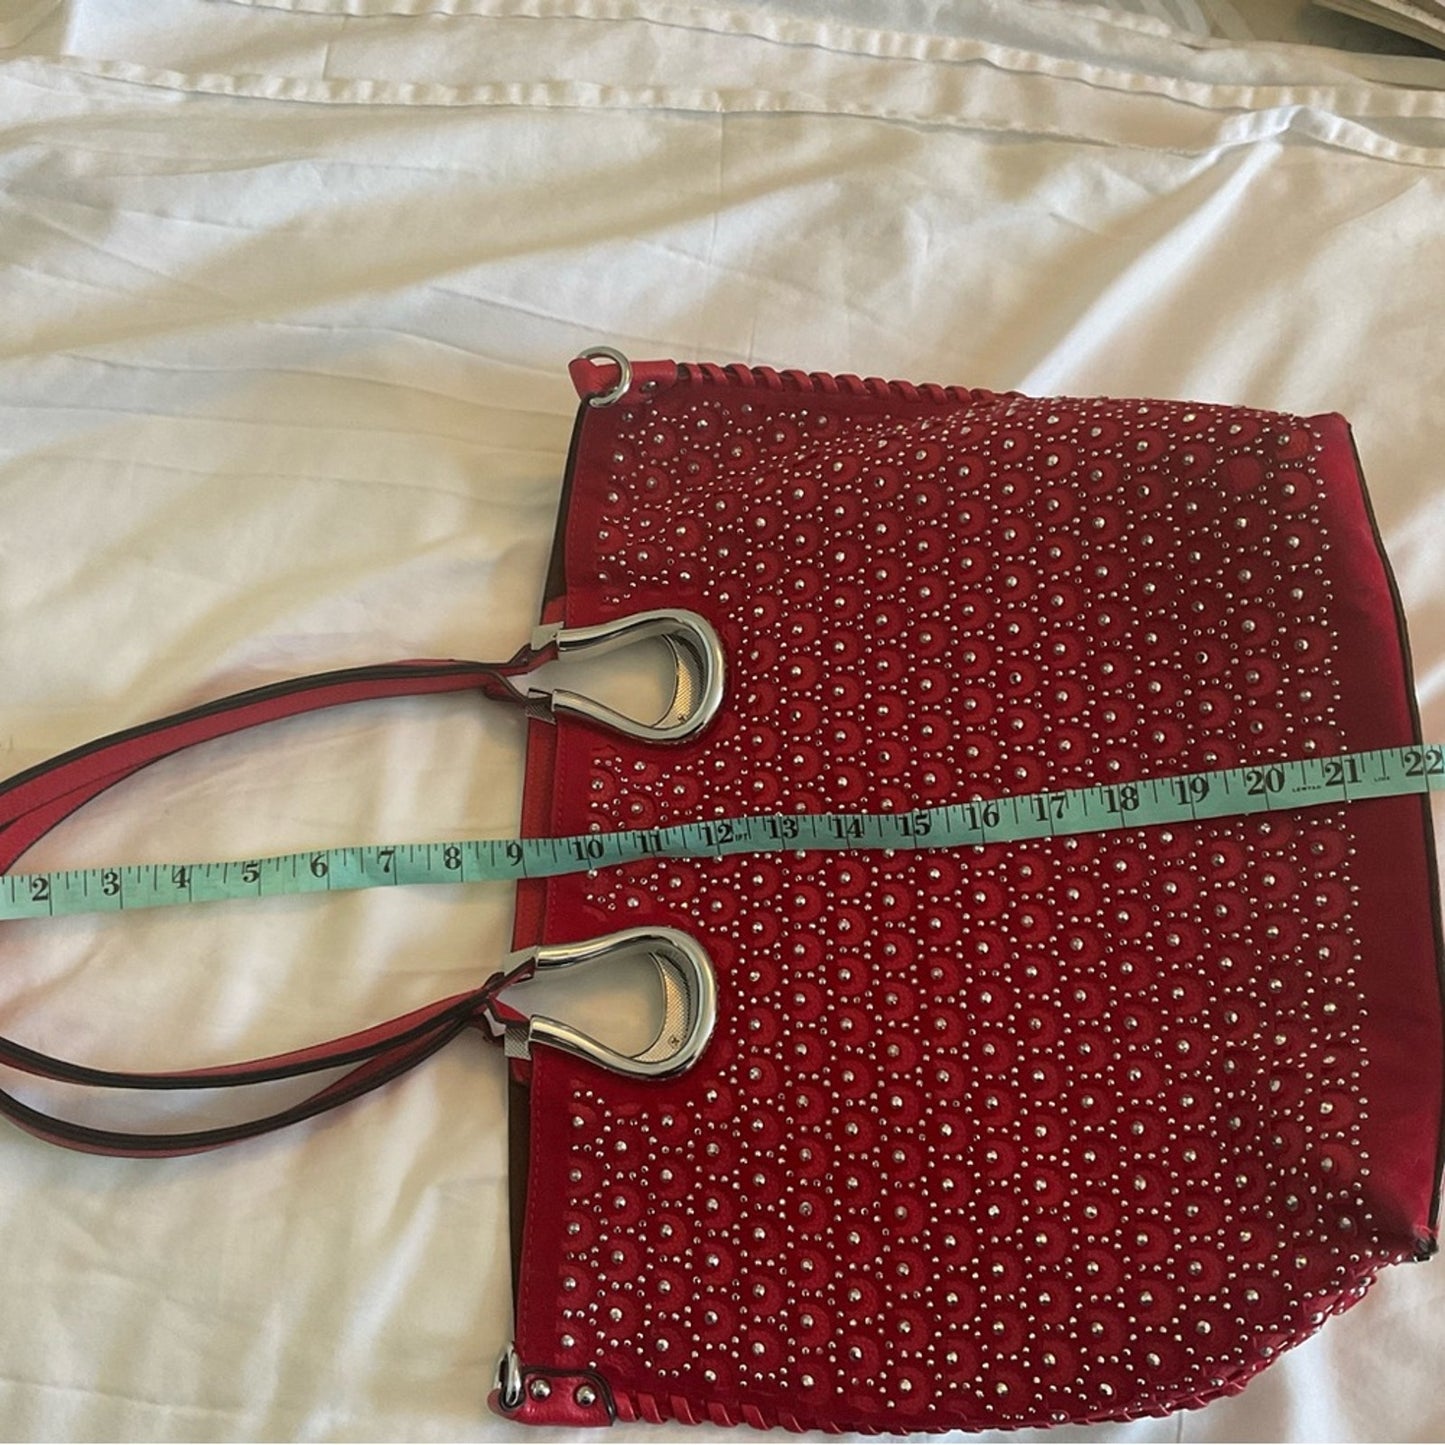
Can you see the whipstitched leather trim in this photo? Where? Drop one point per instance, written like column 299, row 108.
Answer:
column 826, row 383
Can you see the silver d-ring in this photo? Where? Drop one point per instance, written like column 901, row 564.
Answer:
column 621, row 386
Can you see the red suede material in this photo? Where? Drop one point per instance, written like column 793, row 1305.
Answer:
column 1073, row 1130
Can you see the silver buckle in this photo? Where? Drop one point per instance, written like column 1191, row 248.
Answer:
column 696, row 651
column 689, row 1002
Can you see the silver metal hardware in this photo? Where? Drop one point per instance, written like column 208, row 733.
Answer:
column 689, row 1002
column 620, row 387
column 539, row 1389
column 696, row 651
column 509, row 1379
column 585, row 1395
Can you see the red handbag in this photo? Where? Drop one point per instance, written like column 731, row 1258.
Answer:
column 1081, row 1128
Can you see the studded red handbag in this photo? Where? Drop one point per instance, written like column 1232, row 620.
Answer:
column 1077, row 1128
column 1081, row 1129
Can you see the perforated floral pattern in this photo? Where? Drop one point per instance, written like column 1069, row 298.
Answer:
column 997, row 1136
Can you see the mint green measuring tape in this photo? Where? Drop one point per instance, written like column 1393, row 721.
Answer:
column 1225, row 793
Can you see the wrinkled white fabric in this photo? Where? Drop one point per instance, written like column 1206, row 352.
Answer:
column 288, row 292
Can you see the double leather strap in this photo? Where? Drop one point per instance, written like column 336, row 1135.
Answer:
column 34, row 801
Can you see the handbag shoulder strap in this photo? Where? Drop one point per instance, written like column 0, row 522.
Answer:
column 34, row 801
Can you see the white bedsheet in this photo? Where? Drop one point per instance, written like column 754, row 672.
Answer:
column 287, row 295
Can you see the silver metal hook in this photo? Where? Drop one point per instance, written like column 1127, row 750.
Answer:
column 696, row 651
column 620, row 387
column 689, row 1002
